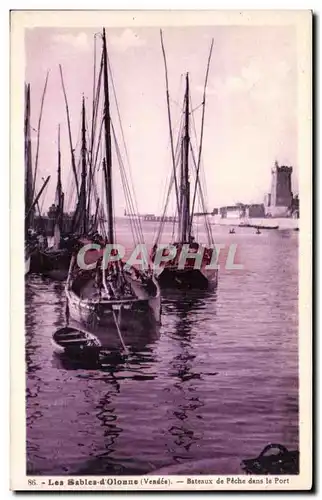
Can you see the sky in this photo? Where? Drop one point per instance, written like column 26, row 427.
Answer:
column 251, row 105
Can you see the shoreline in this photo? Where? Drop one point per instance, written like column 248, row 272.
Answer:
column 262, row 223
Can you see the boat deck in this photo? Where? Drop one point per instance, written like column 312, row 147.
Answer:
column 90, row 291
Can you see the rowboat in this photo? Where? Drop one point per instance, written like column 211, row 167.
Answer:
column 75, row 339
column 282, row 462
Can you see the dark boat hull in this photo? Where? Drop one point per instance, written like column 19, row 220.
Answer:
column 254, row 226
column 27, row 263
column 54, row 264
column 172, row 277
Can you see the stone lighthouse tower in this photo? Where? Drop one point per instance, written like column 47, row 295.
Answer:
column 279, row 201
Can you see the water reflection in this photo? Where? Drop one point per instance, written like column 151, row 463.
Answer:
column 31, row 324
column 59, row 306
column 35, row 289
column 218, row 380
column 112, row 368
column 105, row 411
column 185, row 371
column 112, row 357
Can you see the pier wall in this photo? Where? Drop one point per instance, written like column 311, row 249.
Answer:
column 281, row 222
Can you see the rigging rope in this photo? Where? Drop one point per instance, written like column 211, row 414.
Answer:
column 207, row 223
column 177, row 160
column 135, row 204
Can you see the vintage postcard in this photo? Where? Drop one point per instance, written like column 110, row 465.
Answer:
column 161, row 232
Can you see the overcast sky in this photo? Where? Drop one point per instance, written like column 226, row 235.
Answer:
column 251, row 117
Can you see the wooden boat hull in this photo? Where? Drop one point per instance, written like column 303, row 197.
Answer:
column 73, row 340
column 31, row 259
column 129, row 314
column 88, row 306
column 54, row 264
column 199, row 279
column 27, row 264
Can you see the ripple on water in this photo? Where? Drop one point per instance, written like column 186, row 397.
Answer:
column 220, row 380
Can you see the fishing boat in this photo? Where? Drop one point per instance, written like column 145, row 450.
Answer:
column 27, row 260
column 247, row 224
column 111, row 294
column 185, row 164
column 56, row 259
column 33, row 241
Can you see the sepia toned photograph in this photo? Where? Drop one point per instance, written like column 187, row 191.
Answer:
column 166, row 197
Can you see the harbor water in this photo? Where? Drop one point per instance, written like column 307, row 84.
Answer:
column 217, row 382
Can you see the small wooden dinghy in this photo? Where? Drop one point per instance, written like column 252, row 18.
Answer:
column 133, row 339
column 73, row 340
column 283, row 462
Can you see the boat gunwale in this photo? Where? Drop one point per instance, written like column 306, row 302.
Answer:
column 72, row 295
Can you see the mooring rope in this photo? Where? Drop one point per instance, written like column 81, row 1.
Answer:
column 119, row 333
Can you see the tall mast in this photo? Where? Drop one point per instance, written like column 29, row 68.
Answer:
column 38, row 135
column 69, row 132
column 185, row 184
column 201, row 136
column 59, row 185
column 170, row 124
column 34, row 203
column 28, row 158
column 83, row 184
column 108, row 146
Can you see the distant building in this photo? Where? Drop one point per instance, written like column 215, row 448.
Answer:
column 295, row 207
column 231, row 212
column 278, row 203
column 267, row 200
column 255, row 210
